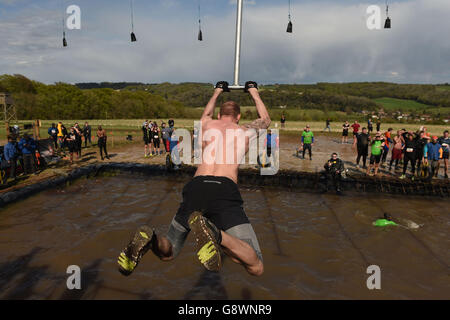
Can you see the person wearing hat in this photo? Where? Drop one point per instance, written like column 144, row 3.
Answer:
column 375, row 153
column 28, row 147
column 334, row 168
column 432, row 154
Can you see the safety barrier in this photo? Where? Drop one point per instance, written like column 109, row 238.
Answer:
column 292, row 180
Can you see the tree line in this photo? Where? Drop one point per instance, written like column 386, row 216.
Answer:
column 35, row 100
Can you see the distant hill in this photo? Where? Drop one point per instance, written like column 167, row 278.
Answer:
column 126, row 100
column 106, row 85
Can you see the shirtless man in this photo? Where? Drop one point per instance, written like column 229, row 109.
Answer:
column 212, row 206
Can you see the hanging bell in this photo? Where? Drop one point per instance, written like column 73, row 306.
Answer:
column 133, row 37
column 387, row 24
column 64, row 40
column 200, row 35
column 289, row 27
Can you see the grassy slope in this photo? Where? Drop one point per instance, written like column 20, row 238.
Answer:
column 392, row 104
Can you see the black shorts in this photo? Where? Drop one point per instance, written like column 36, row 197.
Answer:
column 217, row 197
column 345, row 133
column 375, row 159
column 146, row 140
column 445, row 155
column 156, row 142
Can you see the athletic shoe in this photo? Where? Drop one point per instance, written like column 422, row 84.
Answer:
column 357, row 166
column 208, row 239
column 130, row 257
column 402, row 176
column 413, row 178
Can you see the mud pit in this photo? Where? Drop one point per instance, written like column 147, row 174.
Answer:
column 314, row 246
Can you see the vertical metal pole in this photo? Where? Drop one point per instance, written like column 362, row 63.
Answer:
column 238, row 42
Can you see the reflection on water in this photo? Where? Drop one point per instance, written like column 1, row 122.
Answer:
column 314, row 246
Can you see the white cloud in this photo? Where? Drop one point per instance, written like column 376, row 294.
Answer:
column 330, row 43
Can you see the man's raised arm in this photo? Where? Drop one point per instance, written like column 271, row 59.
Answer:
column 221, row 86
column 263, row 122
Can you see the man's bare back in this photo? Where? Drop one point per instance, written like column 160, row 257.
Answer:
column 222, row 158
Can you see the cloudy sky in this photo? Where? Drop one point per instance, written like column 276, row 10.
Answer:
column 331, row 41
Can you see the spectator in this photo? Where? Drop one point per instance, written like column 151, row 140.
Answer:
column 102, row 139
column 10, row 154
column 345, row 128
column 53, row 133
column 362, row 147
column 377, row 146
column 370, row 125
column 397, row 150
column 166, row 132
column 72, row 143
column 432, row 154
column 28, row 147
column 334, row 168
column 79, row 141
column 87, row 133
column 307, row 142
column 445, row 143
column 283, row 121
column 355, row 127
column 327, row 125
column 155, row 139
column 410, row 150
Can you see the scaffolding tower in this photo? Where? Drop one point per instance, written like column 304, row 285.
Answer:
column 9, row 110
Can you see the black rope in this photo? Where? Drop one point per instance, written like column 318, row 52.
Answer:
column 132, row 16
column 272, row 222
column 345, row 232
column 63, row 24
column 199, row 16
column 289, row 10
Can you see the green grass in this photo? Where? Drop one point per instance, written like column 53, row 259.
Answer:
column 119, row 129
column 392, row 104
column 443, row 88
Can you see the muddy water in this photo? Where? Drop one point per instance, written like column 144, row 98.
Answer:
column 314, row 246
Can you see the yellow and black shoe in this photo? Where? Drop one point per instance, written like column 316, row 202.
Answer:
column 129, row 258
column 208, row 239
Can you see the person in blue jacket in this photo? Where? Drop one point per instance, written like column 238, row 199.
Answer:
column 432, row 155
column 28, row 147
column 53, row 133
column 10, row 154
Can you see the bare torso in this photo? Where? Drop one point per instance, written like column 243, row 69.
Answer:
column 222, row 158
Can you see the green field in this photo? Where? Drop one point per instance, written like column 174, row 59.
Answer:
column 118, row 129
column 392, row 104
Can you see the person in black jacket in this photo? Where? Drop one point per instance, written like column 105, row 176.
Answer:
column 410, row 155
column 334, row 168
column 87, row 133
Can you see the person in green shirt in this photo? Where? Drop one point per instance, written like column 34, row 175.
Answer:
column 307, row 142
column 376, row 152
